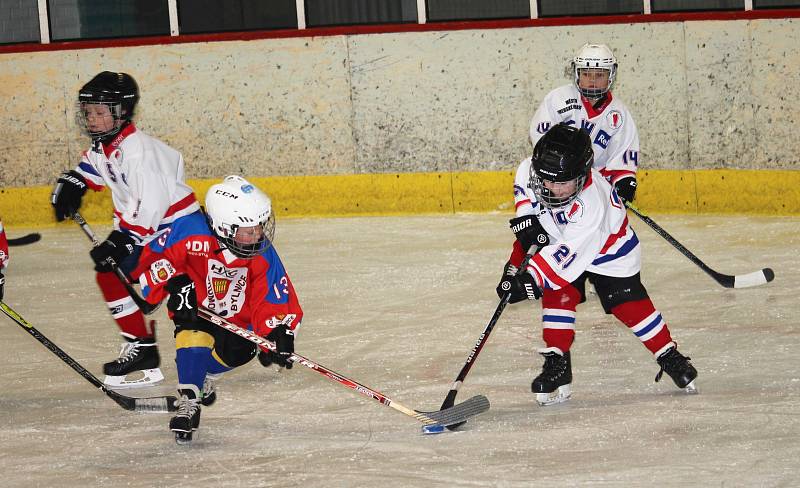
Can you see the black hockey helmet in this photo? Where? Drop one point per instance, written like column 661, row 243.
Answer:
column 118, row 91
column 563, row 158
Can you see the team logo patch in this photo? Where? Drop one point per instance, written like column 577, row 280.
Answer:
column 247, row 188
column 161, row 271
column 575, row 211
column 220, row 286
column 614, row 119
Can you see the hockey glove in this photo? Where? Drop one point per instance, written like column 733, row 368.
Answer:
column 521, row 287
column 182, row 300
column 2, row 283
column 509, row 271
column 67, row 194
column 283, row 337
column 626, row 188
column 529, row 232
column 112, row 251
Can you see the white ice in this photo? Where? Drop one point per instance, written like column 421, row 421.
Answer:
column 397, row 303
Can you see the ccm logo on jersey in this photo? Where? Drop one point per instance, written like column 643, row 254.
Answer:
column 161, row 271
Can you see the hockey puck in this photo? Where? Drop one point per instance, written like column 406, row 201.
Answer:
column 432, row 429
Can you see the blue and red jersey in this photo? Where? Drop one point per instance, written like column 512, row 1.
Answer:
column 254, row 293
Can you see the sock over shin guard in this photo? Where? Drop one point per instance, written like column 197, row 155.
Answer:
column 646, row 323
column 558, row 316
column 129, row 318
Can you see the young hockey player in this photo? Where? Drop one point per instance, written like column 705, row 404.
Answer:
column 587, row 103
column 3, row 257
column 570, row 214
column 224, row 261
column 146, row 180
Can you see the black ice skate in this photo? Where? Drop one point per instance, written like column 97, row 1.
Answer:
column 136, row 366
column 209, row 394
column 679, row 368
column 553, row 385
column 188, row 418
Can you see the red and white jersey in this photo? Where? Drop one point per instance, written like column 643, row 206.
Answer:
column 3, row 247
column 590, row 234
column 615, row 139
column 146, row 180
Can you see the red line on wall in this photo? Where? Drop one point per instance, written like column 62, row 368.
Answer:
column 411, row 27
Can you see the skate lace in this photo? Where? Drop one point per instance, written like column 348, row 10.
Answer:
column 670, row 362
column 128, row 351
column 554, row 366
column 186, row 407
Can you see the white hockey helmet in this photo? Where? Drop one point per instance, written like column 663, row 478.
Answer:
column 241, row 216
column 594, row 56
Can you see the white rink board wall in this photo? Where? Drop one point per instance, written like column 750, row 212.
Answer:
column 704, row 94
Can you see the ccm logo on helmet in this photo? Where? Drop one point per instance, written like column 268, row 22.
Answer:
column 224, row 193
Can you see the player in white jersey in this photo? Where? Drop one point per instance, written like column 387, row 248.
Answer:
column 146, row 181
column 587, row 103
column 576, row 228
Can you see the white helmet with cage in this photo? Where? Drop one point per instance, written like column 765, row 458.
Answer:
column 241, row 216
column 594, row 57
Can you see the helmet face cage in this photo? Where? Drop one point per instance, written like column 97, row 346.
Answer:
column 594, row 57
column 227, row 233
column 82, row 118
column 546, row 197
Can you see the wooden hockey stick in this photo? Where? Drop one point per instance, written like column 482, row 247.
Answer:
column 151, row 404
column 755, row 278
column 146, row 307
column 457, row 414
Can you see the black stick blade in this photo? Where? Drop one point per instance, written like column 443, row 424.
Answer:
column 25, row 240
column 457, row 414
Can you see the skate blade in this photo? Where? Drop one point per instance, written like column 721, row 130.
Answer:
column 137, row 379
column 691, row 388
column 183, row 438
column 562, row 394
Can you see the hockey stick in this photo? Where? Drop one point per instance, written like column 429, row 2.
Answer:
column 457, row 414
column 140, row 302
column 151, row 404
column 25, row 240
column 728, row 281
column 450, row 399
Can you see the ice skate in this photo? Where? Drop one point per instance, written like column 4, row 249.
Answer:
column 679, row 368
column 209, row 394
column 136, row 366
column 553, row 385
column 188, row 418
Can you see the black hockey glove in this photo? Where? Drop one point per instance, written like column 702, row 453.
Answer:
column 521, row 287
column 67, row 194
column 509, row 271
column 2, row 283
column 283, row 337
column 626, row 188
column 117, row 246
column 529, row 232
column 182, row 300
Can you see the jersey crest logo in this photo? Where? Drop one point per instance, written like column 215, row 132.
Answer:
column 220, row 286
column 575, row 211
column 543, row 127
column 161, row 271
column 614, row 119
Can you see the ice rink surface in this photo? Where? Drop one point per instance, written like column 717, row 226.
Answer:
column 397, row 303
